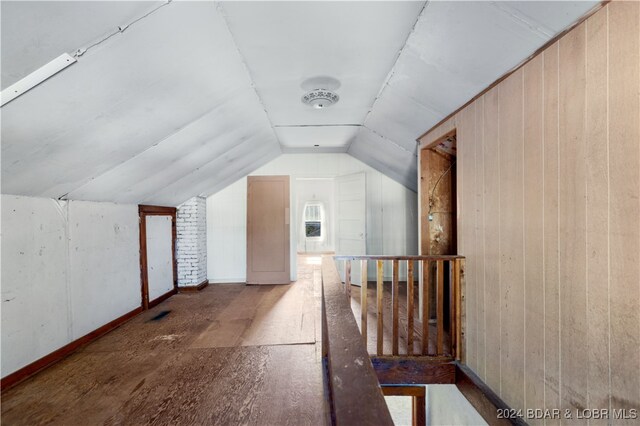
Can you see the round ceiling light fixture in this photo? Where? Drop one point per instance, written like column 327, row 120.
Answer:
column 320, row 98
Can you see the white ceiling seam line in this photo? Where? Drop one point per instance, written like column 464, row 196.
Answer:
column 386, row 139
column 540, row 30
column 150, row 147
column 395, row 63
column 120, row 29
column 220, row 10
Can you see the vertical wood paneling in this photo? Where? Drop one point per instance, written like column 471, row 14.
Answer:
column 533, row 236
column 511, row 239
column 479, row 230
column 597, row 215
column 573, row 262
column 551, row 242
column 492, row 233
column 466, row 221
column 550, row 221
column 624, row 140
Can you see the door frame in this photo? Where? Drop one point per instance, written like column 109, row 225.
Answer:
column 143, row 212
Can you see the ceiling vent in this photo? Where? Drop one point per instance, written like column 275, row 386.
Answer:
column 320, row 98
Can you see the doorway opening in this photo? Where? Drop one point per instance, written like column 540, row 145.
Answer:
column 438, row 204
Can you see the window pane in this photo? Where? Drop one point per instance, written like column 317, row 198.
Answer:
column 312, row 229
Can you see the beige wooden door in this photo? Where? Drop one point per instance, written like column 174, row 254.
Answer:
column 268, row 254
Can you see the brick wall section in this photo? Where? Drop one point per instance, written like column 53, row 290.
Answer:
column 191, row 242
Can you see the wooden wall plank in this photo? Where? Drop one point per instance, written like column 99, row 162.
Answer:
column 533, row 237
column 624, row 139
column 466, row 227
column 551, row 242
column 573, row 262
column 491, row 139
column 511, row 239
column 597, row 238
column 480, row 239
column 556, row 281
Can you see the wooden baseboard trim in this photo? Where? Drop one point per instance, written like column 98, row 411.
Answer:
column 483, row 398
column 193, row 288
column 162, row 298
column 59, row 354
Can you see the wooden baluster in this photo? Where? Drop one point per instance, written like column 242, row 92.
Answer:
column 425, row 306
column 410, row 307
column 440, row 308
column 458, row 284
column 394, row 313
column 347, row 278
column 363, row 300
column 452, row 308
column 380, row 295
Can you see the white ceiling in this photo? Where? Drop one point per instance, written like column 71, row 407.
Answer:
column 192, row 96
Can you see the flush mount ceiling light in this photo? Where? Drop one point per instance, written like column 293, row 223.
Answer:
column 320, row 98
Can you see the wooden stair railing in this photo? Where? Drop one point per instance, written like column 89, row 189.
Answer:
column 353, row 396
column 438, row 274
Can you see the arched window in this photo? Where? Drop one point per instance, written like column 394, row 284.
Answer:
column 314, row 221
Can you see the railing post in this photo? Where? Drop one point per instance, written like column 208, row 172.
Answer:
column 453, row 305
column 363, row 300
column 459, row 276
column 440, row 308
column 380, row 300
column 410, row 297
column 425, row 306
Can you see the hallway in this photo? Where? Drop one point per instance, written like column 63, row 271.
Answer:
column 230, row 354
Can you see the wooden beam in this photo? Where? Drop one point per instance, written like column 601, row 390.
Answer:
column 483, row 399
column 393, row 370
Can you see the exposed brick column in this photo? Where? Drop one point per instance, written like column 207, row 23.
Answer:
column 192, row 242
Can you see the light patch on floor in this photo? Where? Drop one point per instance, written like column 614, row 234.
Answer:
column 313, row 260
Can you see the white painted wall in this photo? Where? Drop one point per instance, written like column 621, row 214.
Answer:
column 67, row 269
column 392, row 226
column 446, row 405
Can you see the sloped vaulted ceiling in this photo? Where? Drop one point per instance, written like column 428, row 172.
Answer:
column 174, row 99
column 158, row 113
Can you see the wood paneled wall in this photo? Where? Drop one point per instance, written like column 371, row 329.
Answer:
column 549, row 221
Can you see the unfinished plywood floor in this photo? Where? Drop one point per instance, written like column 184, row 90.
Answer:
column 228, row 355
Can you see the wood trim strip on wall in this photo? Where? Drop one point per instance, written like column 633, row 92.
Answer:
column 58, row 355
column 193, row 288
column 514, row 69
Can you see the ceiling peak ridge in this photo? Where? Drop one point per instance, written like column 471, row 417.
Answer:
column 220, row 10
column 395, row 63
column 119, row 30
